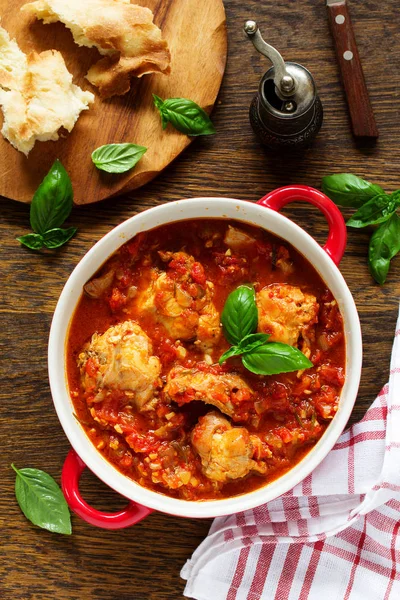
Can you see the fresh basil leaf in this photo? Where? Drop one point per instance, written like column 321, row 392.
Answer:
column 240, row 315
column 377, row 210
column 274, row 358
column 395, row 197
column 383, row 246
column 185, row 115
column 54, row 238
column 348, row 190
column 52, row 202
column 117, row 158
column 233, row 351
column 252, row 341
column 379, row 268
column 41, row 500
column 247, row 344
column 34, row 241
column 159, row 103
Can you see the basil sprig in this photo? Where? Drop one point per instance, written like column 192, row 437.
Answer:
column 377, row 210
column 51, row 205
column 185, row 115
column 240, row 315
column 239, row 319
column 374, row 208
column 275, row 357
column 247, row 344
column 117, row 158
column 34, row 241
column 41, row 500
column 54, row 238
column 52, row 201
column 349, row 190
column 383, row 246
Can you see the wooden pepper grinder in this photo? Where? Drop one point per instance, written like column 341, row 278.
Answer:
column 286, row 113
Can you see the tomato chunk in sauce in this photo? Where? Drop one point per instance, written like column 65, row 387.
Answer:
column 143, row 350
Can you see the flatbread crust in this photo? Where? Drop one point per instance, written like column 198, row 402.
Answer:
column 37, row 95
column 124, row 33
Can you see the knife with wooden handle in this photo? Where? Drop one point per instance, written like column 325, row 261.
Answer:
column 361, row 113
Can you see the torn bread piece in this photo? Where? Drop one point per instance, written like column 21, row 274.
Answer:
column 132, row 45
column 37, row 95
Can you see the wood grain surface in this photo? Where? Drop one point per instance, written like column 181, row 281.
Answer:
column 196, row 35
column 143, row 563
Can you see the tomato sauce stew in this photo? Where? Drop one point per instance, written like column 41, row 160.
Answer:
column 143, row 360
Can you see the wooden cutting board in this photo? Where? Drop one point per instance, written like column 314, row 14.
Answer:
column 196, row 34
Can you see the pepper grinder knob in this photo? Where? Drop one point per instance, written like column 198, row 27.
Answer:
column 287, row 111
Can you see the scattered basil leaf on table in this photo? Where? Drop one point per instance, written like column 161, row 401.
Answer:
column 41, row 500
column 117, row 158
column 275, row 357
column 375, row 211
column 383, row 246
column 52, row 201
column 51, row 205
column 349, row 190
column 185, row 115
column 375, row 208
column 240, row 315
column 34, row 241
column 54, row 238
column 239, row 318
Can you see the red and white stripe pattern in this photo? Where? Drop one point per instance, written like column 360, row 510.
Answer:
column 334, row 536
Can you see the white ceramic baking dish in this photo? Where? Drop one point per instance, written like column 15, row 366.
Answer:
column 262, row 214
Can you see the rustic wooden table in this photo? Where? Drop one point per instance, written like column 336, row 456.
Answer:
column 143, row 563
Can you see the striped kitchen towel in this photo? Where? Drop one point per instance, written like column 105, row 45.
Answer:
column 335, row 536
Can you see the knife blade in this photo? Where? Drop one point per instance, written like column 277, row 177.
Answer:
column 358, row 101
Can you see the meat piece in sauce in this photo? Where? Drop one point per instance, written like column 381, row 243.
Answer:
column 209, row 327
column 98, row 285
column 238, row 240
column 181, row 299
column 242, row 242
column 226, row 391
column 226, row 452
column 285, row 312
column 120, row 359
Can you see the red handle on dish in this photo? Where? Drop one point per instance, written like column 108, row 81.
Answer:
column 337, row 236
column 71, row 474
